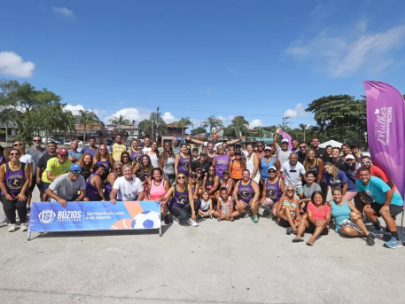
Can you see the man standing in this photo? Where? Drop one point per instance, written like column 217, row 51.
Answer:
column 175, row 146
column 283, row 153
column 117, row 148
column 91, row 148
column 201, row 163
column 148, row 146
column 336, row 160
column 41, row 165
column 385, row 203
column 54, row 168
column 295, row 146
column 302, row 154
column 320, row 152
column 74, row 156
column 65, row 187
column 36, row 152
column 294, row 173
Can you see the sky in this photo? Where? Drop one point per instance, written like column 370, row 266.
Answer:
column 263, row 59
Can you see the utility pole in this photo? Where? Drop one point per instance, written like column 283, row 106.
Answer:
column 155, row 122
column 285, row 121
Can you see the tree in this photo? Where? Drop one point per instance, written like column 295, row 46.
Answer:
column 157, row 124
column 304, row 127
column 183, row 123
column 212, row 122
column 119, row 121
column 238, row 127
column 87, row 119
column 198, row 130
column 145, row 126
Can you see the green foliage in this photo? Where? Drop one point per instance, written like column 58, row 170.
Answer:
column 145, row 126
column 184, row 122
column 238, row 127
column 198, row 130
column 87, row 119
column 161, row 126
column 119, row 121
column 212, row 122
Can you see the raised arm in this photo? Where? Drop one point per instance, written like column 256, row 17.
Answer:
column 231, row 142
column 275, row 138
column 199, row 142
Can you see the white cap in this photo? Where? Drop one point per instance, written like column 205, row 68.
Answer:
column 285, row 140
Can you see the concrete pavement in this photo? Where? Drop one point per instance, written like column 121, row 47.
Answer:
column 239, row 262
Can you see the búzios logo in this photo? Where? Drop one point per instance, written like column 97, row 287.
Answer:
column 46, row 216
column 382, row 124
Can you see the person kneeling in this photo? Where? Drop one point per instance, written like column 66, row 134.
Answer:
column 127, row 187
column 65, row 187
column 288, row 211
column 225, row 206
column 317, row 221
column 206, row 206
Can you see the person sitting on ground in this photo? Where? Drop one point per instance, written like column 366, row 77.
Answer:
column 294, row 173
column 112, row 176
column 316, row 221
column 228, row 183
column 182, row 205
column 246, row 195
column 288, row 212
column 66, row 186
column 127, row 187
column 158, row 188
column 309, row 188
column 211, row 182
column 273, row 190
column 386, row 203
column 95, row 186
column 86, row 163
column 225, row 209
column 206, row 209
column 347, row 218
column 195, row 186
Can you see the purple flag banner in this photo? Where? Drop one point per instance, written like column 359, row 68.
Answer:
column 285, row 135
column 386, row 130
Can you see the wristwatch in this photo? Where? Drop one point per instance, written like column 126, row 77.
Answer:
column 193, row 212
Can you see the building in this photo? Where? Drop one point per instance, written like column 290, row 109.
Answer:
column 173, row 130
column 8, row 131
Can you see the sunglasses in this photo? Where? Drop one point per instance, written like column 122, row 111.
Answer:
column 181, row 177
column 14, row 154
column 272, row 171
column 290, row 190
column 118, row 168
column 76, row 171
column 193, row 176
column 366, row 162
column 15, row 145
column 303, row 147
column 36, row 140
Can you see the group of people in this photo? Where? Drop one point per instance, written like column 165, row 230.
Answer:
column 222, row 180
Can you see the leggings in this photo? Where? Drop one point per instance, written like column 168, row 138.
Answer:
column 183, row 213
column 10, row 207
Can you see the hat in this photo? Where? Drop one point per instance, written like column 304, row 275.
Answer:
column 225, row 172
column 75, row 167
column 198, row 169
column 350, row 157
column 267, row 148
column 285, row 141
column 63, row 151
column 272, row 168
column 238, row 153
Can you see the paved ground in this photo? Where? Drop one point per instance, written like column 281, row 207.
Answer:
column 238, row 262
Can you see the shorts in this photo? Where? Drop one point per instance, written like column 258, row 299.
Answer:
column 311, row 229
column 236, row 180
column 31, row 189
column 349, row 223
column 44, row 186
column 299, row 190
column 394, row 209
column 284, row 223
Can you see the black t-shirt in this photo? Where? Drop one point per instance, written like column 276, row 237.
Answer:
column 44, row 160
column 204, row 166
column 340, row 164
column 322, row 154
column 301, row 157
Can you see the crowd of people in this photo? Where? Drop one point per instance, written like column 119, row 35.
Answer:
column 225, row 180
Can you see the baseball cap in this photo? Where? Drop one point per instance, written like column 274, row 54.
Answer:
column 198, row 169
column 63, row 151
column 285, row 141
column 267, row 148
column 195, row 149
column 350, row 157
column 272, row 168
column 75, row 167
column 225, row 172
column 238, row 153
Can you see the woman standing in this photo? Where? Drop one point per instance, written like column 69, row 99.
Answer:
column 135, row 152
column 273, row 190
column 14, row 181
column 112, row 176
column 154, row 155
column 317, row 220
column 158, row 188
column 236, row 167
column 86, row 163
column 231, row 152
column 246, row 195
column 314, row 164
column 126, row 159
column 182, row 205
column 182, row 161
column 288, row 211
column 221, row 162
column 144, row 168
column 252, row 164
column 211, row 182
column 266, row 162
column 347, row 218
column 104, row 158
column 94, row 185
column 167, row 163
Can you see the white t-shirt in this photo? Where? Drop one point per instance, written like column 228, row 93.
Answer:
column 146, row 150
column 283, row 156
column 154, row 160
column 292, row 173
column 26, row 159
column 128, row 190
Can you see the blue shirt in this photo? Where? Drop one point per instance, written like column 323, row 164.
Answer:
column 76, row 155
column 87, row 149
column 376, row 189
column 338, row 183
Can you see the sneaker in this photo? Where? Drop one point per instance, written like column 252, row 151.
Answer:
column 246, row 215
column 4, row 220
column 370, row 239
column 23, row 227
column 255, row 219
column 176, row 220
column 393, row 243
column 192, row 222
column 13, row 227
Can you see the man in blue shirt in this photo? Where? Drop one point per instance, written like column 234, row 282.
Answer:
column 74, row 155
column 91, row 148
column 385, row 203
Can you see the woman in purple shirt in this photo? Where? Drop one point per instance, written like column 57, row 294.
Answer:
column 221, row 162
column 94, row 185
column 182, row 161
column 246, row 196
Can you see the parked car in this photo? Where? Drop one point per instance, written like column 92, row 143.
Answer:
column 51, row 140
column 68, row 142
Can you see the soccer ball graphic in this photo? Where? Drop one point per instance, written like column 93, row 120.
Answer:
column 146, row 219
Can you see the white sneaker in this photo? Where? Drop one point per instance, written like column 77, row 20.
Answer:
column 175, row 220
column 192, row 222
column 13, row 227
column 23, row 227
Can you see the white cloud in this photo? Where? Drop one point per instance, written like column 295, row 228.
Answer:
column 344, row 55
column 131, row 114
column 11, row 64
column 298, row 111
column 168, row 117
column 255, row 123
column 76, row 108
column 64, row 11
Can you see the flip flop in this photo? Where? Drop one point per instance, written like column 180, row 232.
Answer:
column 298, row 240
column 289, row 231
column 310, row 244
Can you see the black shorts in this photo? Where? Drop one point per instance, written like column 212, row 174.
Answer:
column 31, row 189
column 311, row 229
column 394, row 209
column 283, row 223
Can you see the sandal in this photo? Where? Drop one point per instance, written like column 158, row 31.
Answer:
column 232, row 219
column 298, row 240
column 310, row 244
column 289, row 231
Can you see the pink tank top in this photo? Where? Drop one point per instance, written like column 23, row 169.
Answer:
column 157, row 191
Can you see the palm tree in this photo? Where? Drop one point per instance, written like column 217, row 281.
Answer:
column 157, row 121
column 238, row 127
column 183, row 123
column 304, row 127
column 87, row 119
column 119, row 121
column 212, row 122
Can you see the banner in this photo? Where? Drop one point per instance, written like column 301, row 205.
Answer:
column 386, row 130
column 285, row 135
column 89, row 216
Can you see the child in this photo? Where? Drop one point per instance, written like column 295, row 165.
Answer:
column 206, row 206
column 225, row 206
